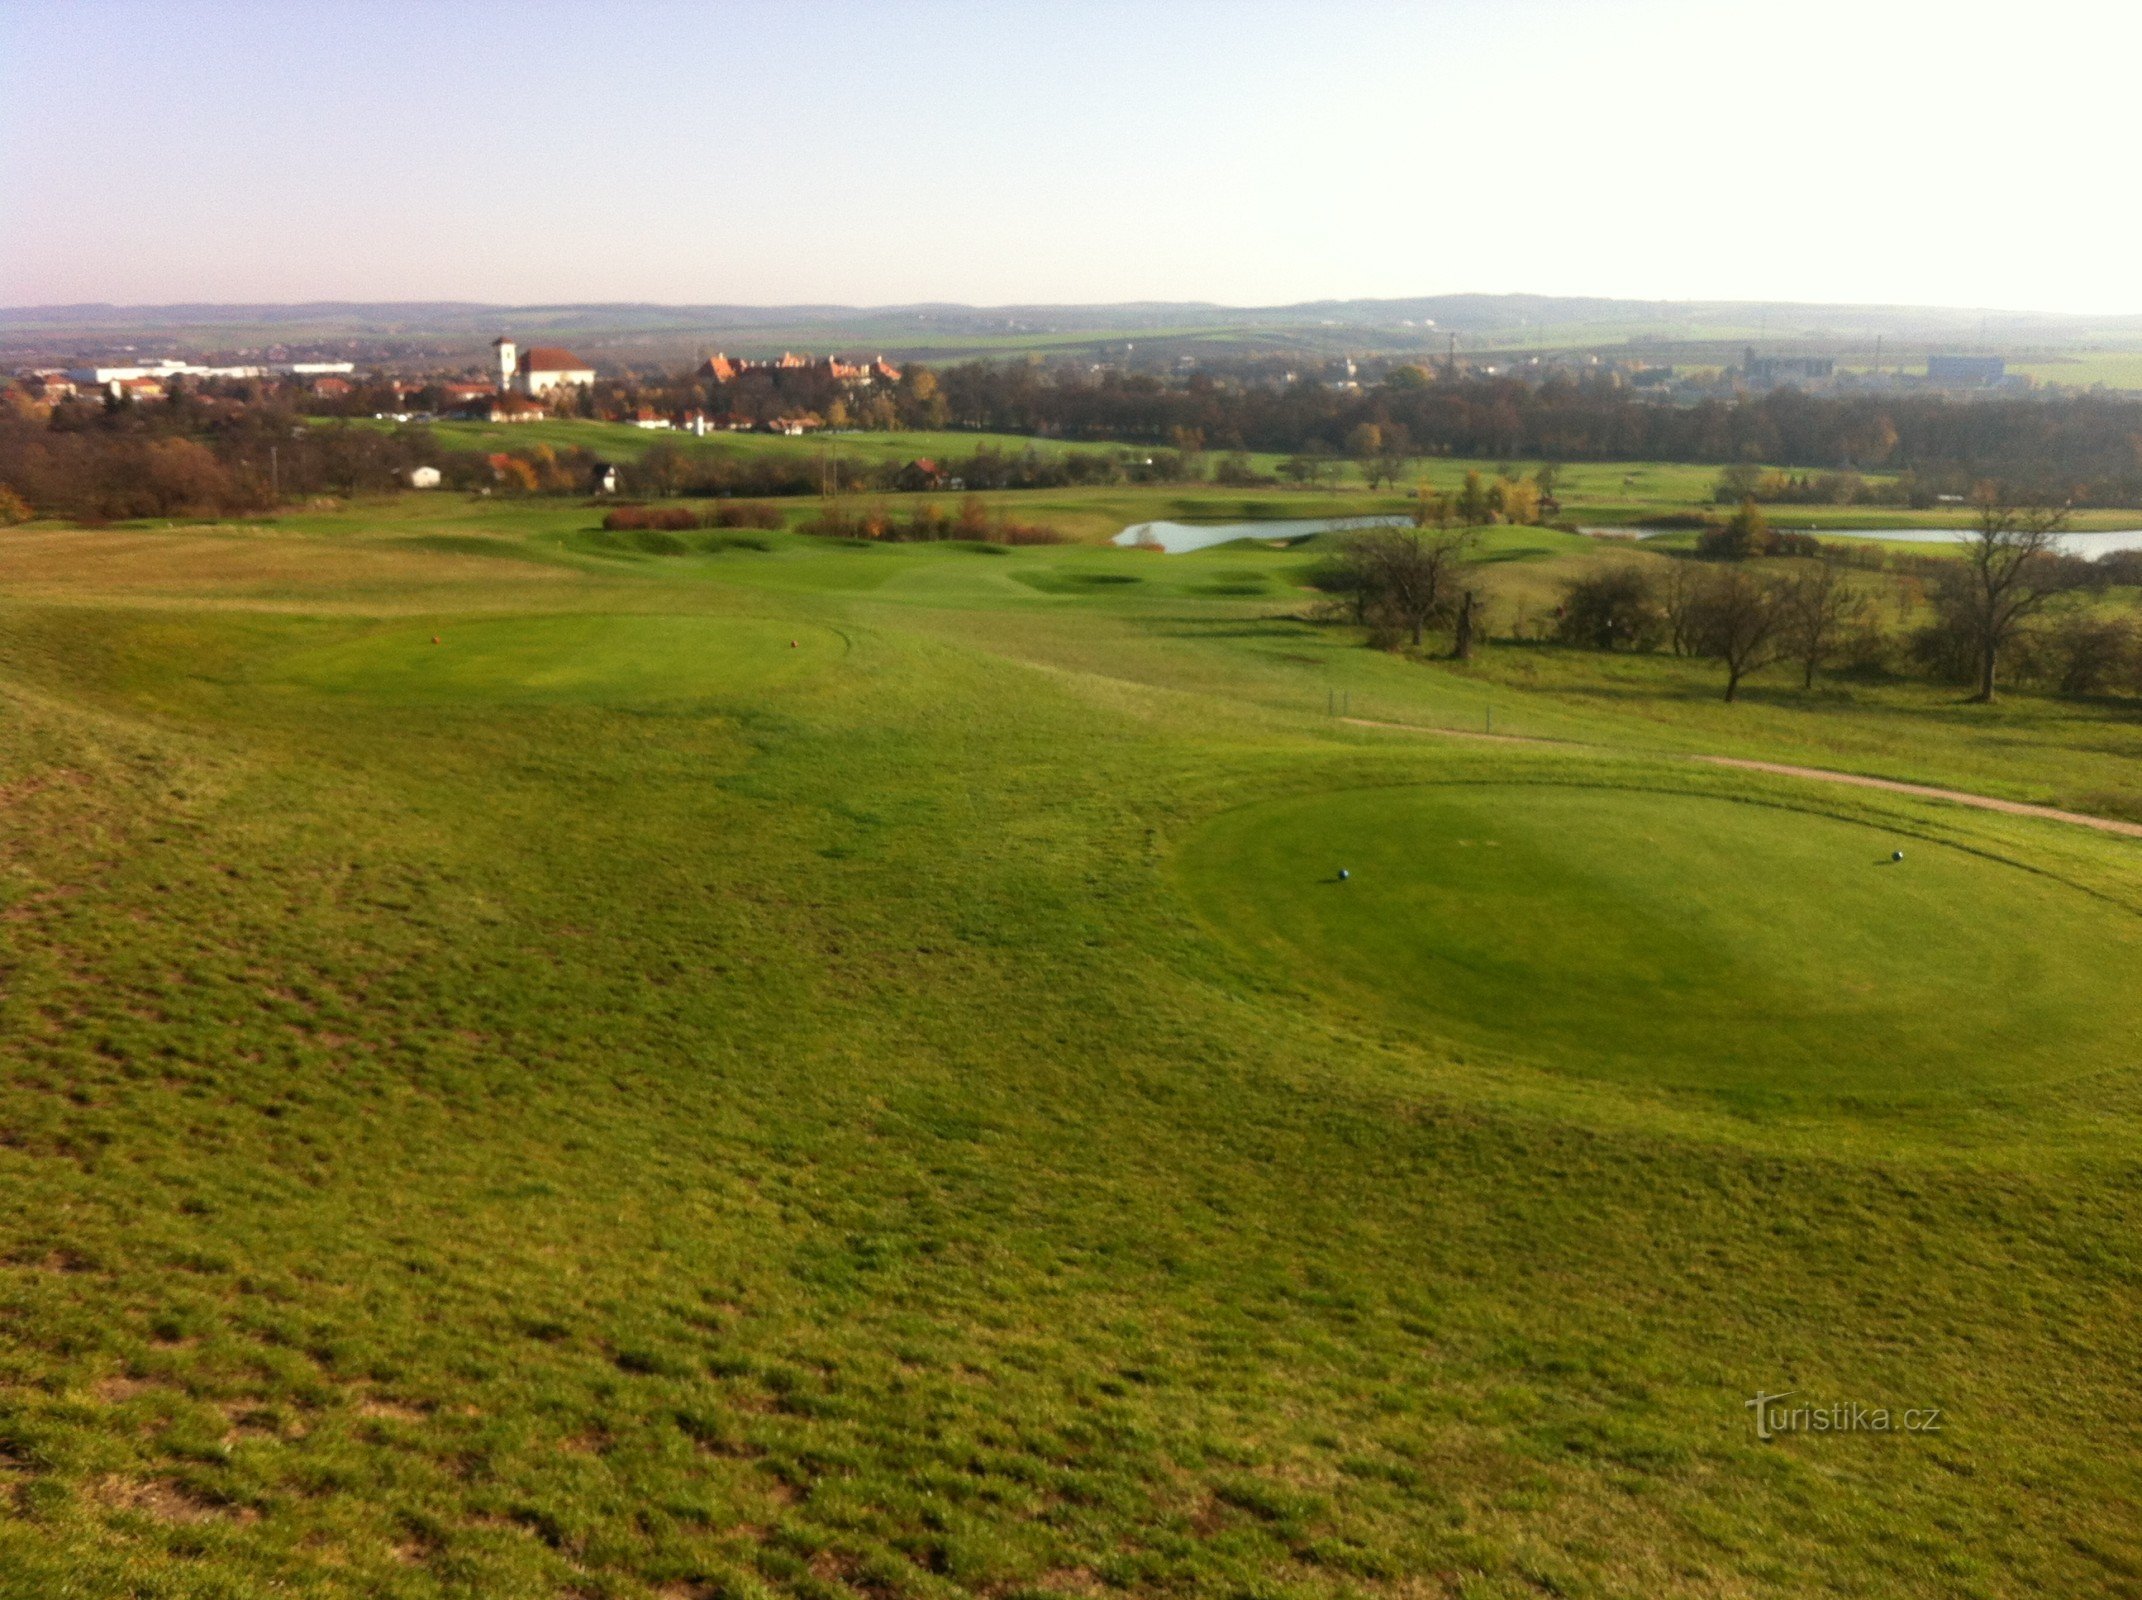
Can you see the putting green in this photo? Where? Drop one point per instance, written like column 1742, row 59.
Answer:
column 603, row 659
column 1679, row 939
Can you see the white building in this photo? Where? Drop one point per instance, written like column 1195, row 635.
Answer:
column 539, row 369
column 164, row 367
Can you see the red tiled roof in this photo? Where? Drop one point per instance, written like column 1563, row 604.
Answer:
column 549, row 358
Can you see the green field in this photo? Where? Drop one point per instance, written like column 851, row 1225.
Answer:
column 539, row 1067
column 1606, row 494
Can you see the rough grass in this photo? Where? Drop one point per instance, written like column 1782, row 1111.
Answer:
column 589, row 1112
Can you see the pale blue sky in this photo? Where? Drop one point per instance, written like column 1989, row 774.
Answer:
column 1246, row 151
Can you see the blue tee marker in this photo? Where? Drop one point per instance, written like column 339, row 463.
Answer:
column 1896, row 855
column 1344, row 874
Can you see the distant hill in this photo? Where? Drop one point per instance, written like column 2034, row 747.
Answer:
column 1148, row 331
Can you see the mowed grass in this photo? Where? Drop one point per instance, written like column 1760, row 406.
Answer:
column 610, row 1104
column 1682, row 940
column 610, row 660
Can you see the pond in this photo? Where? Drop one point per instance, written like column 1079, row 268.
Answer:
column 1180, row 538
column 2091, row 545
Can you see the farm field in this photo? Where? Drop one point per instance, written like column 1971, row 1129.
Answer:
column 543, row 1064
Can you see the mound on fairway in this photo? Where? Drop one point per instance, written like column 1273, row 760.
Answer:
column 602, row 659
column 1679, row 939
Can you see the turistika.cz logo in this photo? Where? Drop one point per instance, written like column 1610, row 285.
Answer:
column 1774, row 1418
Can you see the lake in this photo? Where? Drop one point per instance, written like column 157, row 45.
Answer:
column 2078, row 544
column 1180, row 538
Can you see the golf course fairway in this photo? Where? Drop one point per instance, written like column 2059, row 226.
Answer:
column 1686, row 940
column 824, row 1069
column 599, row 660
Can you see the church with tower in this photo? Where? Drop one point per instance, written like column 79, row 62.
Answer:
column 539, row 369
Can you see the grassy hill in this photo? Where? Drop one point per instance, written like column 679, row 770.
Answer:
column 536, row 1068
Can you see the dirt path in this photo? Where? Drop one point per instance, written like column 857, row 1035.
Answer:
column 2014, row 808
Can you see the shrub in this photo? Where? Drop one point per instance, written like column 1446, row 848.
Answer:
column 681, row 519
column 1612, row 609
column 926, row 522
column 674, row 519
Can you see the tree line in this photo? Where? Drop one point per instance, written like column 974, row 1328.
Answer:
column 2084, row 449
column 2009, row 606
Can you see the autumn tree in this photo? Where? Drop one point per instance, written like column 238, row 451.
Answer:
column 1431, row 508
column 1473, row 505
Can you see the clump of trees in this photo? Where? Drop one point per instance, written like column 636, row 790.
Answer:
column 1771, row 486
column 1748, row 533
column 2010, row 605
column 1480, row 501
column 972, row 521
column 1743, row 617
column 1935, row 444
column 192, row 454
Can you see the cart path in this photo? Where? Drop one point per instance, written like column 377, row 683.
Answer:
column 1923, row 791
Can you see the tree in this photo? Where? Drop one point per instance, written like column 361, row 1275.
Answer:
column 1677, row 599
column 1739, row 619
column 1746, row 533
column 1402, row 579
column 661, row 469
column 1313, row 466
column 1461, row 648
column 1515, row 500
column 2012, row 571
column 1737, row 483
column 1819, row 606
column 2087, row 652
column 1611, row 608
column 1431, row 508
column 1391, row 465
column 1473, row 503
column 922, row 402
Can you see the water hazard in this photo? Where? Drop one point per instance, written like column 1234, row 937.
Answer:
column 1180, row 538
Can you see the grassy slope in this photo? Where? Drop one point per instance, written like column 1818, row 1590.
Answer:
column 610, row 1104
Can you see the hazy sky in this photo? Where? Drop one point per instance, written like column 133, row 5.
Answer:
column 1000, row 151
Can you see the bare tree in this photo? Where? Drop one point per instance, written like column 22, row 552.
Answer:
column 1403, row 578
column 1819, row 606
column 2013, row 570
column 1677, row 599
column 1740, row 620
column 1461, row 648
